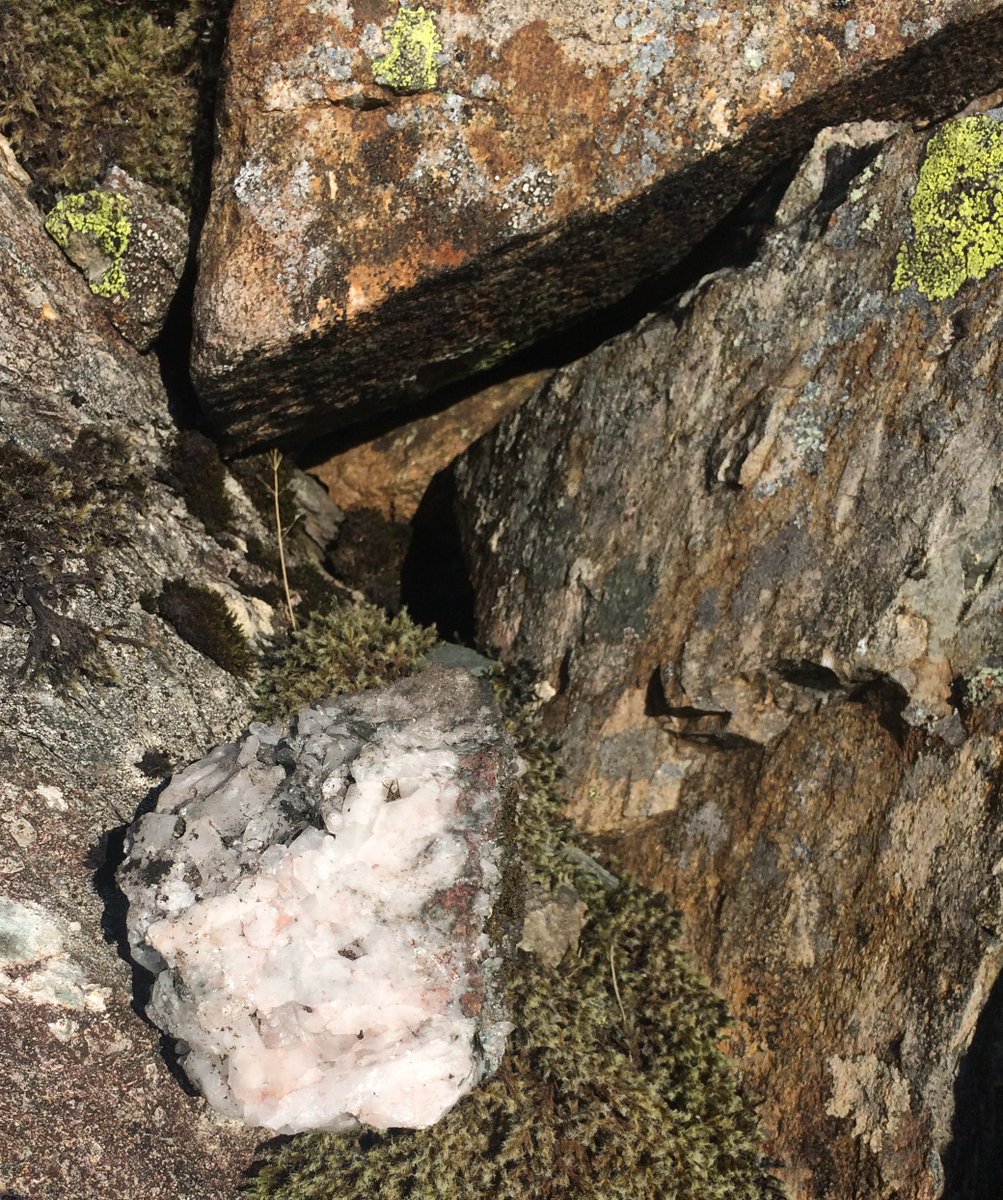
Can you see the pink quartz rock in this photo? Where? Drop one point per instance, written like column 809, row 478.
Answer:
column 317, row 903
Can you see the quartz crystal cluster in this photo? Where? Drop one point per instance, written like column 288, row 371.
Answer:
column 319, row 903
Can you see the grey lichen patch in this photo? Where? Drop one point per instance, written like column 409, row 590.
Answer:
column 411, row 63
column 985, row 686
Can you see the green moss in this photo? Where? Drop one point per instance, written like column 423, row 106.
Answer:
column 88, row 83
column 345, row 649
column 957, row 210
column 201, row 616
column 101, row 219
column 196, row 473
column 593, row 1102
column 410, row 65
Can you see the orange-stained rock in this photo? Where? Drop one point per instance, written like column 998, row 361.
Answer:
column 751, row 550
column 367, row 240
column 391, row 473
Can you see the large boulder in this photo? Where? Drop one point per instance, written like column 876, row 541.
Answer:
column 403, row 195
column 750, row 550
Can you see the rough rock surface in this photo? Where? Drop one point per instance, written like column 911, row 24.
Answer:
column 751, row 549
column 405, row 195
column 317, row 902
column 100, row 700
column 136, row 268
column 392, row 472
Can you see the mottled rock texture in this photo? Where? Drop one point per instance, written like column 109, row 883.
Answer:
column 321, row 903
column 751, row 548
column 100, row 700
column 391, row 472
column 130, row 245
column 403, row 199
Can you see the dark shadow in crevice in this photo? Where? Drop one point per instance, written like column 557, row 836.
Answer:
column 888, row 700
column 733, row 242
column 435, row 586
column 173, row 348
column 106, row 857
column 973, row 1160
column 810, row 675
column 656, row 703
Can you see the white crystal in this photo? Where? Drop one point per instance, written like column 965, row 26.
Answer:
column 319, row 933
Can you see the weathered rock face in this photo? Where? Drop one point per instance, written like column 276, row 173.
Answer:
column 99, row 700
column 841, row 891
column 404, row 195
column 392, row 472
column 130, row 245
column 318, row 902
column 751, row 549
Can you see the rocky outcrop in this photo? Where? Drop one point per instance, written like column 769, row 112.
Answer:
column 405, row 195
column 751, row 550
column 125, row 638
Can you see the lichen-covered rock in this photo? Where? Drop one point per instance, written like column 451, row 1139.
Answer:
column 405, row 194
column 131, row 247
column 99, row 700
column 318, row 902
column 782, row 488
column 751, row 551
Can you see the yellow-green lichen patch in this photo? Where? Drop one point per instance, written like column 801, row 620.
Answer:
column 957, row 210
column 613, row 1086
column 410, row 65
column 95, row 227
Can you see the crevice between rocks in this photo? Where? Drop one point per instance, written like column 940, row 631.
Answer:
column 973, row 1160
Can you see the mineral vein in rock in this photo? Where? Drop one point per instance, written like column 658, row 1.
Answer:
column 315, row 903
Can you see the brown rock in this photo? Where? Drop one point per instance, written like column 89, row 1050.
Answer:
column 750, row 548
column 392, row 472
column 406, row 195
column 839, row 889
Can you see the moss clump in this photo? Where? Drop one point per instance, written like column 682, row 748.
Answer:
column 100, row 220
column 598, row 1098
column 56, row 517
column 196, row 473
column 346, row 649
column 410, row 65
column 88, row 83
column 201, row 617
column 957, row 210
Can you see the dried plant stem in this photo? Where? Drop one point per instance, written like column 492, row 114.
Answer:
column 631, row 1048
column 276, row 459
